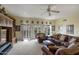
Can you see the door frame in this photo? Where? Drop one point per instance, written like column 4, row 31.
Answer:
column 8, row 33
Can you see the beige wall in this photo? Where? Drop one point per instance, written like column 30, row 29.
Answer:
column 70, row 20
column 18, row 22
column 58, row 22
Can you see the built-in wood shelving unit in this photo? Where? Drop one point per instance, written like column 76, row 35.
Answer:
column 8, row 23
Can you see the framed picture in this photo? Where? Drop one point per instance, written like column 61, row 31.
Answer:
column 17, row 27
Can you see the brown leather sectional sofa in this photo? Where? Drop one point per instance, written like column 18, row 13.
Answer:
column 70, row 51
column 52, row 50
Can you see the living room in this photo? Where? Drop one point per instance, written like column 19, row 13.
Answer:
column 40, row 28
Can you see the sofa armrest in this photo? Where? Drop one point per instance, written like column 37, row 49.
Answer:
column 46, row 51
column 49, row 50
column 68, row 51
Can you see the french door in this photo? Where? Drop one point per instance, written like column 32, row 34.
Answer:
column 29, row 31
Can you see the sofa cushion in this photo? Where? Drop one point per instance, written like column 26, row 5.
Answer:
column 62, row 38
column 47, row 42
column 72, row 40
column 71, row 45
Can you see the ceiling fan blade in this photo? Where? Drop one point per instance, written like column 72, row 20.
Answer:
column 55, row 11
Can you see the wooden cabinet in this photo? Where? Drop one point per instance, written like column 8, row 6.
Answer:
column 4, row 21
column 7, row 24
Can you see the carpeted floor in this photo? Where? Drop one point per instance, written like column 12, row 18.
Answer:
column 28, row 47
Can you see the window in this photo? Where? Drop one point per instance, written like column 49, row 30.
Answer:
column 53, row 28
column 46, row 22
column 70, row 29
column 42, row 22
column 37, row 22
column 35, row 31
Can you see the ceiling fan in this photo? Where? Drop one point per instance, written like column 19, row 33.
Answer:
column 50, row 11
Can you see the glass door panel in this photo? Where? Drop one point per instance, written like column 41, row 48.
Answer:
column 29, row 31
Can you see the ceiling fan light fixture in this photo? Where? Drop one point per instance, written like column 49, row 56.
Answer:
column 55, row 11
column 49, row 10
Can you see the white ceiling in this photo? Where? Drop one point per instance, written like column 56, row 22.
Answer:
column 38, row 10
